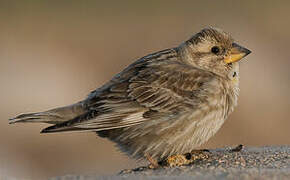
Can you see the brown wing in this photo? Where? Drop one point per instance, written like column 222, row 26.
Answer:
column 171, row 87
column 157, row 85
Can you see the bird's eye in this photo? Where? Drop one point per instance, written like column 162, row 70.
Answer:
column 215, row 50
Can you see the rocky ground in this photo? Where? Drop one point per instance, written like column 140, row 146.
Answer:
column 269, row 162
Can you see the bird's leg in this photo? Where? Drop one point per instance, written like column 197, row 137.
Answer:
column 184, row 159
column 153, row 163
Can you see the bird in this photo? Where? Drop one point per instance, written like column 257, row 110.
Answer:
column 164, row 104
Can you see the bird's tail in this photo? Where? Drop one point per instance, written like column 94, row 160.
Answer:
column 53, row 116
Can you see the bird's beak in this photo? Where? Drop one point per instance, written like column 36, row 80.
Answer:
column 236, row 53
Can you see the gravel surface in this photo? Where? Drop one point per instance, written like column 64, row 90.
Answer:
column 269, row 162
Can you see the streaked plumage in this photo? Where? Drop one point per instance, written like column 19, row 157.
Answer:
column 165, row 103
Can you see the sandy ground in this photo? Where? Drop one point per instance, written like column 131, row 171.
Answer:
column 270, row 162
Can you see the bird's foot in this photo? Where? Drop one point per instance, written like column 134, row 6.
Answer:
column 153, row 163
column 185, row 159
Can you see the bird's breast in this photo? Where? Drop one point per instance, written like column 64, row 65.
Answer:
column 202, row 123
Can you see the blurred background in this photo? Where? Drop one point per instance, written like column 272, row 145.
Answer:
column 53, row 53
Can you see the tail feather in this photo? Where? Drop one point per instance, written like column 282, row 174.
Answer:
column 35, row 117
column 53, row 116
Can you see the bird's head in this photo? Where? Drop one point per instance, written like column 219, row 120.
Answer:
column 213, row 50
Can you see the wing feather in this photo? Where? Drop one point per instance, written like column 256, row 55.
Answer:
column 152, row 84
